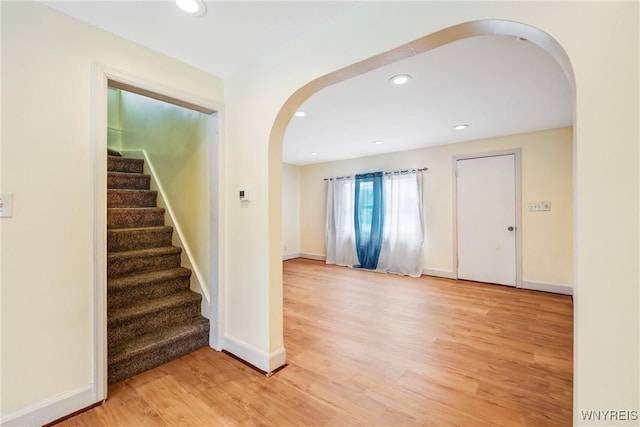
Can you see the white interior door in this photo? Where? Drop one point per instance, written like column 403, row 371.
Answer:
column 486, row 219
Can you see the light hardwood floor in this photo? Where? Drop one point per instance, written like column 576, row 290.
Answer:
column 370, row 349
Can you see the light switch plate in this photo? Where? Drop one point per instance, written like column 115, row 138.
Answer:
column 6, row 205
column 539, row 206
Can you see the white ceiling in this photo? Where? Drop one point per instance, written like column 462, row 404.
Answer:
column 229, row 35
column 498, row 85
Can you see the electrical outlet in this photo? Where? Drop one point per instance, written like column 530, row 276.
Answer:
column 6, row 205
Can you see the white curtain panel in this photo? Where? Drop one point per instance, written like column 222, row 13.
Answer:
column 403, row 237
column 340, row 232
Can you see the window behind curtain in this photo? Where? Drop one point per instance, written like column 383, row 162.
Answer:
column 376, row 225
column 365, row 208
column 368, row 219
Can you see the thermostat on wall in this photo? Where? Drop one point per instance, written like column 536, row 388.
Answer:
column 244, row 195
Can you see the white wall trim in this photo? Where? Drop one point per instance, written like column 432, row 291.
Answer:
column 555, row 288
column 217, row 255
column 98, row 115
column 277, row 359
column 446, row 274
column 200, row 283
column 317, row 257
column 261, row 360
column 286, row 257
column 52, row 408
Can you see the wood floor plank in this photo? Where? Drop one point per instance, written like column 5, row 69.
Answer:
column 126, row 408
column 369, row 349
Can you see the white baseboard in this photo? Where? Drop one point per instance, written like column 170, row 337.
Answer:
column 277, row 359
column 317, row 257
column 447, row 274
column 52, row 408
column 548, row 287
column 261, row 360
column 290, row 256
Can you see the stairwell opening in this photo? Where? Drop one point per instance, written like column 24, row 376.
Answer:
column 156, row 186
column 153, row 316
column 158, row 228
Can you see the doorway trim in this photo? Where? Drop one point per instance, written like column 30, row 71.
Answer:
column 102, row 77
column 516, row 152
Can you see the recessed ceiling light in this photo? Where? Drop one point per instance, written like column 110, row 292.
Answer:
column 460, row 127
column 400, row 79
column 378, row 142
column 299, row 114
column 193, row 7
column 314, row 153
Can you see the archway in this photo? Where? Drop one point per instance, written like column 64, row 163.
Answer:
column 416, row 47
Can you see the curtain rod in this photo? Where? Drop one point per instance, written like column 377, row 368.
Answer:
column 386, row 173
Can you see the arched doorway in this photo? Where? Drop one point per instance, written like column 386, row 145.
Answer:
column 416, row 47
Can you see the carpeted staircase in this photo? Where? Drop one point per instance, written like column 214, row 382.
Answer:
column 153, row 316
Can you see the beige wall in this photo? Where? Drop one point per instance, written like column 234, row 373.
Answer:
column 290, row 210
column 177, row 142
column 547, row 174
column 47, row 262
column 114, row 127
column 46, row 258
column 605, row 168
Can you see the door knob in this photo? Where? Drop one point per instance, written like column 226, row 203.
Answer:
column 510, row 228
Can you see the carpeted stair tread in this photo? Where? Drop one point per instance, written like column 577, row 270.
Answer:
column 149, row 252
column 124, row 164
column 134, row 217
column 132, row 289
column 114, row 153
column 145, row 342
column 143, row 279
column 124, row 198
column 134, row 262
column 132, row 181
column 156, row 348
column 153, row 306
column 128, row 323
column 130, row 239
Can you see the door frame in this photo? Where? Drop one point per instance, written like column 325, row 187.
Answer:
column 103, row 77
column 516, row 152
